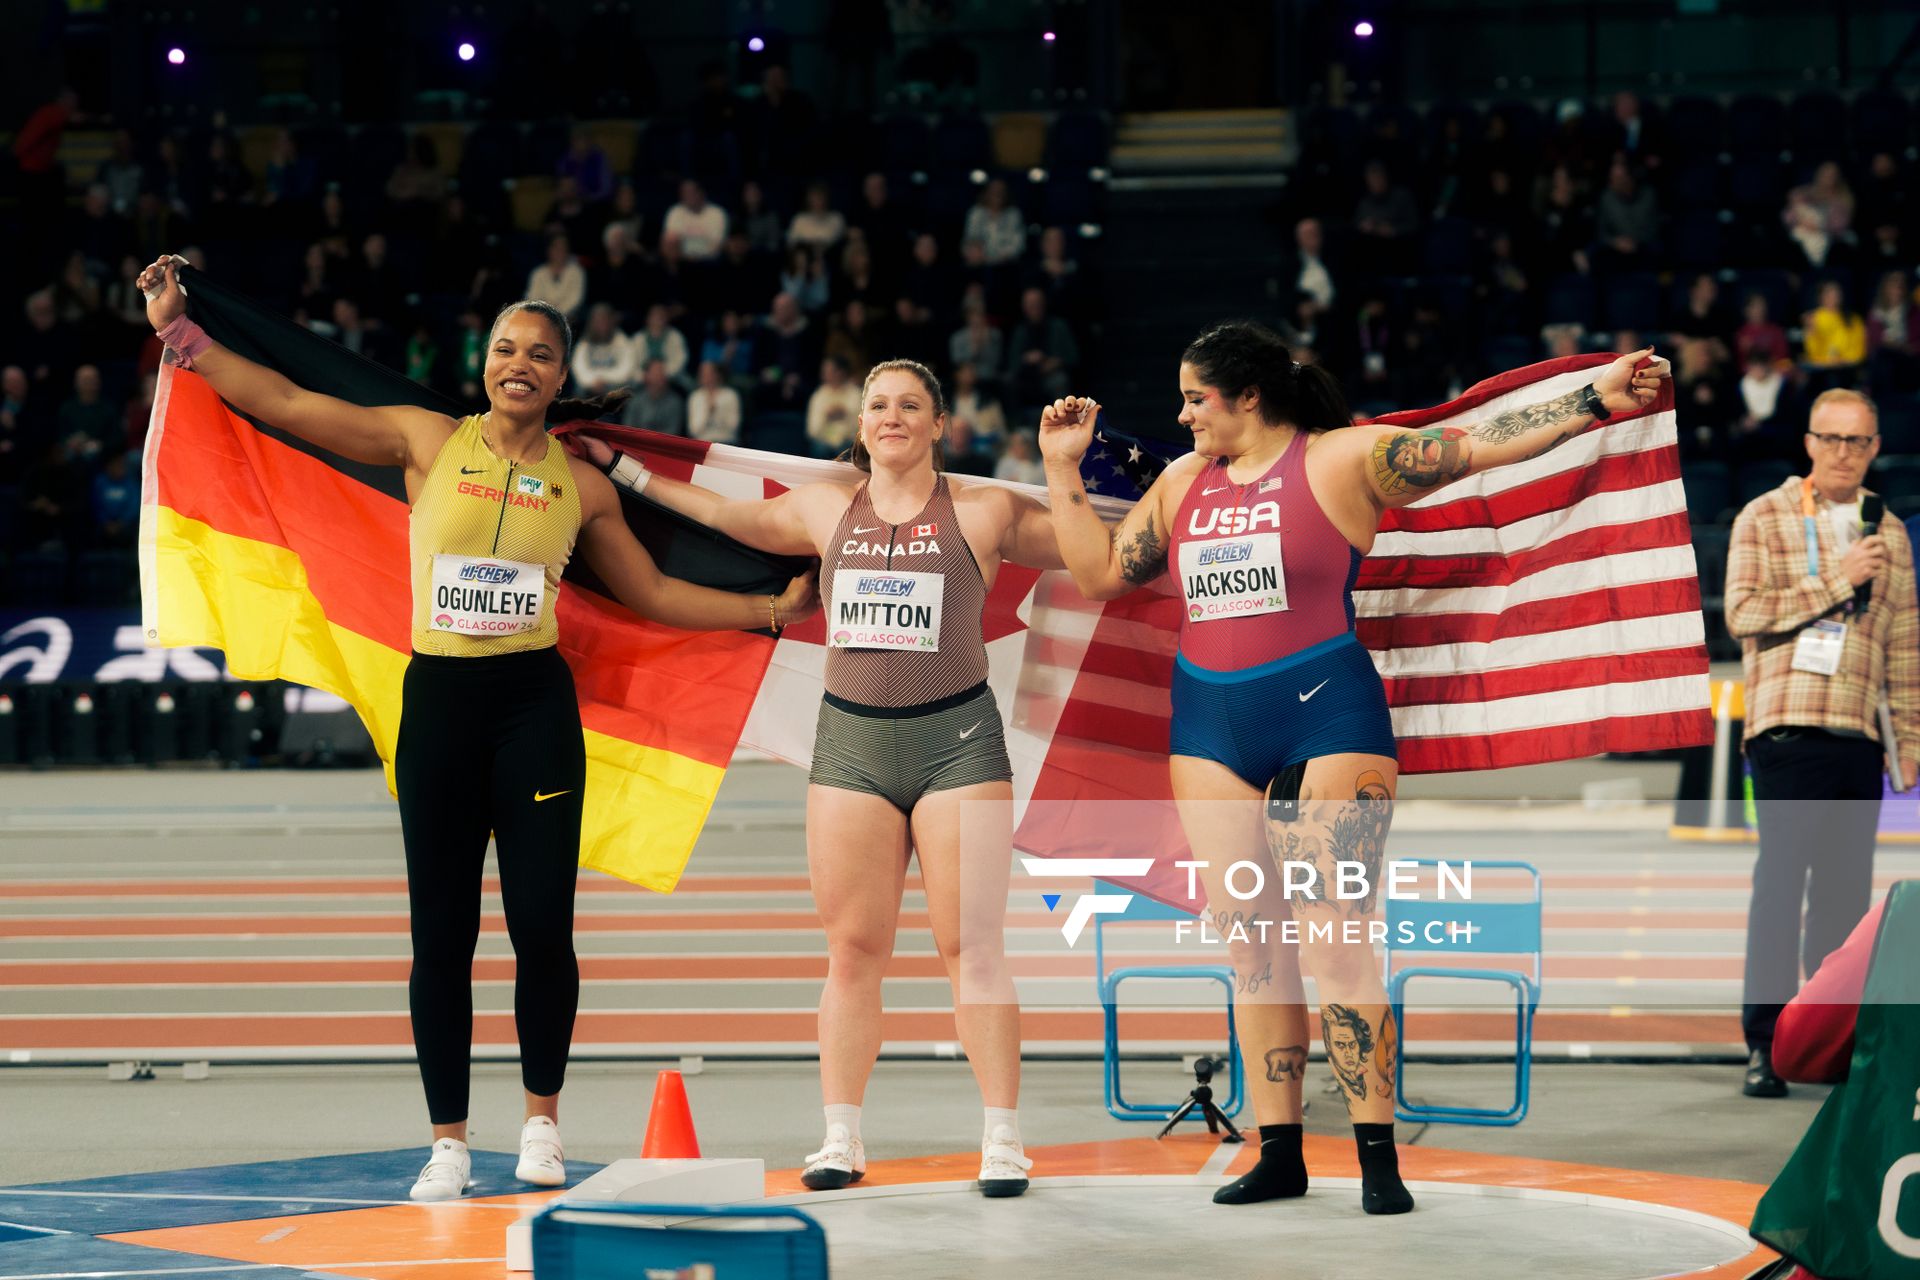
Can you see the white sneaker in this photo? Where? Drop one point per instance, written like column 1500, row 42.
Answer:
column 1003, row 1164
column 542, row 1162
column 448, row 1172
column 841, row 1159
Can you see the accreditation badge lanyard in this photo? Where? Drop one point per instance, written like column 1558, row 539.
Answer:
column 1818, row 647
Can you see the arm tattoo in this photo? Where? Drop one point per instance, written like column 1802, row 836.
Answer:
column 1420, row 460
column 1551, row 413
column 1288, row 1062
column 1144, row 558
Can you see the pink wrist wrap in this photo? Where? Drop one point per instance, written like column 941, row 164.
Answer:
column 186, row 338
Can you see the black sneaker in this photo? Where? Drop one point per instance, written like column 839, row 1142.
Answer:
column 1762, row 1080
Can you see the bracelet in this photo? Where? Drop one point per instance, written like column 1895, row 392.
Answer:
column 773, row 614
column 1593, row 405
column 628, row 472
column 186, row 339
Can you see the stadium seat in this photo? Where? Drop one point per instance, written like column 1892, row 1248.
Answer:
column 1758, row 477
column 1817, row 127
column 1696, row 128
column 1019, row 140
column 1899, row 426
column 1773, row 284
column 1570, row 300
column 1757, row 186
column 1898, row 481
column 1709, row 489
column 906, row 143
column 1509, row 351
column 961, row 142
column 1694, row 240
column 1631, row 301
column 1077, row 141
column 1710, row 561
column 1882, row 121
column 449, row 144
column 1698, row 184
column 1757, row 125
column 1449, row 247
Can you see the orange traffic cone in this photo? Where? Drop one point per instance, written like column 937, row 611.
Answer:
column 670, row 1122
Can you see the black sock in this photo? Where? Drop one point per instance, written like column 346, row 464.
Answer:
column 1281, row 1171
column 1381, row 1190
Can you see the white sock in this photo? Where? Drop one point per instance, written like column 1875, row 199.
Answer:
column 998, row 1116
column 844, row 1113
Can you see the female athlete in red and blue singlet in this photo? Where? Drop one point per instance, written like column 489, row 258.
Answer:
column 1274, row 698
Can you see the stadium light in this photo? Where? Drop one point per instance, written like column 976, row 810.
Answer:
column 466, row 51
column 1363, row 29
column 755, row 44
column 177, row 56
column 1049, row 37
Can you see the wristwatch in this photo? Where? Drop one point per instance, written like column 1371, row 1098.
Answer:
column 1592, row 405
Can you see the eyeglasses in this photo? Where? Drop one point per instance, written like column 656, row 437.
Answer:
column 1852, row 444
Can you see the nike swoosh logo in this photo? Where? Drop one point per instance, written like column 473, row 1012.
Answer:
column 1205, row 493
column 472, row 471
column 976, row 724
column 872, row 528
column 1317, row 688
column 548, row 795
column 1379, row 1142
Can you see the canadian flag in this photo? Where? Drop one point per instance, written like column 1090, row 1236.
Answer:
column 926, row 530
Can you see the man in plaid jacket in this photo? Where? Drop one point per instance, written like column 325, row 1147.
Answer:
column 1824, row 611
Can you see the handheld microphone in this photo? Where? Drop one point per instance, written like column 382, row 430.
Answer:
column 1871, row 509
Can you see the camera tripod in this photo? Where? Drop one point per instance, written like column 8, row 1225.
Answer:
column 1200, row 1098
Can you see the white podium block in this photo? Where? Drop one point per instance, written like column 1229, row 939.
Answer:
column 729, row 1181
column 520, row 1245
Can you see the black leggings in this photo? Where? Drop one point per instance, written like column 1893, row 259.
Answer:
column 490, row 745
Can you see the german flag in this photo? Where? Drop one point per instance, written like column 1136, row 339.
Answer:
column 294, row 561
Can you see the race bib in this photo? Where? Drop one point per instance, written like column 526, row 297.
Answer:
column 1233, row 577
column 885, row 609
column 1818, row 648
column 476, row 597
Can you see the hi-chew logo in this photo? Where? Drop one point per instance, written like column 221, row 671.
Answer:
column 1087, row 905
column 487, row 573
column 1226, row 552
column 885, row 587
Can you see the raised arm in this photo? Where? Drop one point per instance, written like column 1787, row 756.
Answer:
column 787, row 524
column 1028, row 538
column 1401, row 465
column 392, row 435
column 616, row 556
column 1106, row 561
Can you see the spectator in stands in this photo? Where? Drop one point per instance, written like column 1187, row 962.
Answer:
column 224, row 183
column 122, row 174
column 694, row 225
column 101, row 235
column 1703, row 314
column 1374, row 338
column 833, row 410
column 781, row 125
column 856, row 280
column 122, row 300
column 1563, row 340
column 805, row 278
column 291, row 178
column 932, row 282
column 560, row 280
column 1507, row 301
column 570, row 215
column 625, row 213
column 416, row 187
column 116, row 503
column 473, row 353
column 818, row 225
column 1042, row 355
column 713, row 410
column 1819, row 214
column 603, row 359
column 995, row 232
column 761, row 222
column 914, row 336
column 620, row 277
column 1021, row 462
column 36, row 156
column 1893, row 335
column 76, row 297
column 376, row 282
column 1769, row 407
column 1498, row 204
column 21, row 433
column 880, row 220
column 139, row 415
column 347, row 328
column 659, row 340
column 1885, row 211
column 1631, row 135
column 977, row 343
column 976, row 414
column 1759, row 336
column 852, row 339
column 1836, row 335
column 730, row 347
column 422, row 354
column 789, row 351
column 657, row 407
column 1307, row 268
column 741, row 280
column 53, row 501
column 1703, row 403
column 586, row 164
column 1057, row 274
column 1626, row 221
column 89, row 425
column 1385, row 219
column 1565, row 224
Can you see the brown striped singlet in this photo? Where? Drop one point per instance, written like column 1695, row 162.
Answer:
column 931, row 542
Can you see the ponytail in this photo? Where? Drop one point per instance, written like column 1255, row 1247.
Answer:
column 1237, row 356
column 589, row 409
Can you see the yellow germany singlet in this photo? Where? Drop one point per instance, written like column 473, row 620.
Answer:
column 489, row 539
